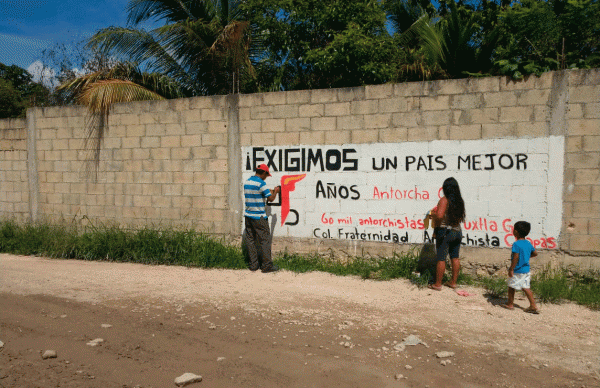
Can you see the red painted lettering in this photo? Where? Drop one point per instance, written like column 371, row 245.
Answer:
column 493, row 226
column 508, row 239
column 507, row 226
column 326, row 220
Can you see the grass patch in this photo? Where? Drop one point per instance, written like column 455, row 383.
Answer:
column 197, row 249
column 380, row 268
column 554, row 286
column 494, row 287
column 111, row 243
column 562, row 284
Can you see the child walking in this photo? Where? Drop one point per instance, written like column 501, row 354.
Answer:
column 519, row 276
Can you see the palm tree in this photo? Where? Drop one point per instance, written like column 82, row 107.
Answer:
column 451, row 46
column 202, row 49
column 203, row 45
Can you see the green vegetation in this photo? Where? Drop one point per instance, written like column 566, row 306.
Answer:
column 554, row 286
column 207, row 47
column 18, row 92
column 494, row 287
column 197, row 249
column 379, row 268
column 111, row 243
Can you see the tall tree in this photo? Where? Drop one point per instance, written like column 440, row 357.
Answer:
column 404, row 13
column 539, row 36
column 11, row 103
column 19, row 92
column 455, row 42
column 201, row 47
column 321, row 44
column 202, row 44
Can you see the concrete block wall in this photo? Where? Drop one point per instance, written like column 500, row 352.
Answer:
column 162, row 163
column 581, row 204
column 178, row 162
column 556, row 104
column 14, row 187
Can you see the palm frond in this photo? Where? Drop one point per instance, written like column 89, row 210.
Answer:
column 100, row 95
column 141, row 47
column 170, row 10
column 430, row 35
column 403, row 13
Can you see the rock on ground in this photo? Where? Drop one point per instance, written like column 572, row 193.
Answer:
column 186, row 379
column 411, row 340
column 49, row 354
column 95, row 342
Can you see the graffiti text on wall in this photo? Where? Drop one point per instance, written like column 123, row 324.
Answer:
column 380, row 192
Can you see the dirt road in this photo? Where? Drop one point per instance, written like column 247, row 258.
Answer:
column 248, row 329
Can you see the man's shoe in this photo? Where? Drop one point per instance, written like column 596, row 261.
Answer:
column 273, row 268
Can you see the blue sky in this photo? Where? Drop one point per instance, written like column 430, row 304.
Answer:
column 29, row 26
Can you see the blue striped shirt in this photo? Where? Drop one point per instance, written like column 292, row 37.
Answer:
column 255, row 193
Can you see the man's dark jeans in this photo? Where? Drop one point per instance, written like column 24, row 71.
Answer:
column 258, row 236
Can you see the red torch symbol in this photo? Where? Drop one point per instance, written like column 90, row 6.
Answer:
column 288, row 183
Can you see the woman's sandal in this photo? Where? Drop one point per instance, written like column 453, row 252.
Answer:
column 531, row 311
column 433, row 287
column 507, row 307
column 453, row 286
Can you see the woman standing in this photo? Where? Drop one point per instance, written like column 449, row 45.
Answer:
column 447, row 216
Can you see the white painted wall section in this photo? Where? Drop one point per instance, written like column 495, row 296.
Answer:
column 381, row 192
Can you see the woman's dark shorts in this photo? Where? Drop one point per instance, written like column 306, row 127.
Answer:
column 447, row 241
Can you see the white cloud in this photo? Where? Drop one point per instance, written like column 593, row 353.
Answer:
column 44, row 75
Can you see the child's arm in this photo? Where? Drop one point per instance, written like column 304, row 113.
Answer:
column 514, row 260
column 534, row 253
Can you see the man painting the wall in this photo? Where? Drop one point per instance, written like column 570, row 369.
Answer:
column 255, row 218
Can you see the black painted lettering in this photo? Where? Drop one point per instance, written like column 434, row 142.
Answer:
column 491, row 160
column 408, row 161
column 292, row 163
column 333, row 160
column 375, row 167
column 344, row 193
column 314, row 157
column 389, row 163
column 466, row 160
column 270, row 157
column 331, row 192
column 521, row 161
column 352, row 161
column 353, row 189
column 508, row 161
column 421, row 163
column 257, row 159
column 440, row 161
column 280, row 160
column 476, row 162
column 320, row 190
